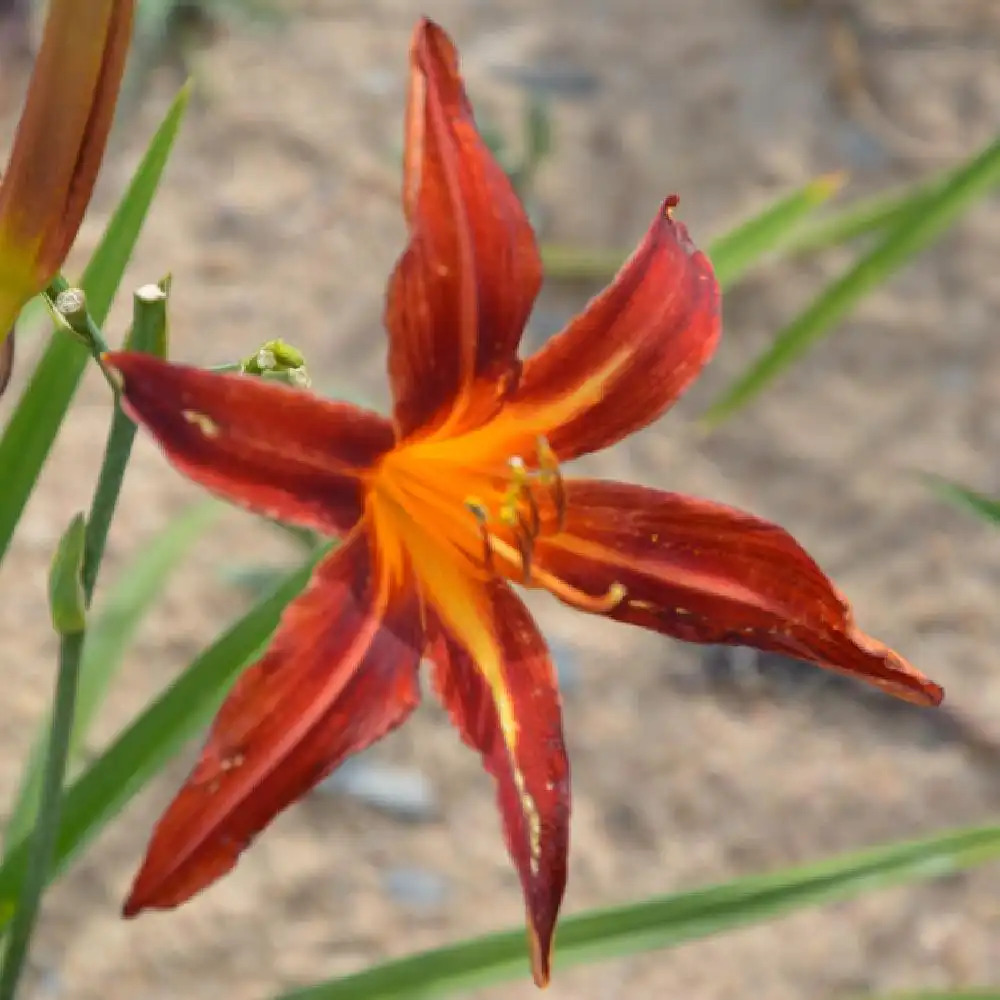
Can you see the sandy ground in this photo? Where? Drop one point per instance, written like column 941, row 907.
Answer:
column 279, row 217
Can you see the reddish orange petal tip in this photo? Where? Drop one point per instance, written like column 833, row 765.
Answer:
column 341, row 672
column 505, row 703
column 703, row 572
column 934, row 692
column 632, row 352
column 461, row 293
column 913, row 685
column 541, row 957
column 425, row 32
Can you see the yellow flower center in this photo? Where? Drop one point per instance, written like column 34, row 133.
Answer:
column 467, row 502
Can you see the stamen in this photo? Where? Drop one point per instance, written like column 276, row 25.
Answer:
column 521, row 490
column 512, row 517
column 520, row 513
column 478, row 510
column 518, row 471
column 534, row 525
column 550, row 475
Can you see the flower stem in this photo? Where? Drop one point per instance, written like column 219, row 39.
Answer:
column 47, row 824
column 147, row 333
column 117, row 451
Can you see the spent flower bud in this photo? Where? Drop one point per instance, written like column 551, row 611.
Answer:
column 59, row 143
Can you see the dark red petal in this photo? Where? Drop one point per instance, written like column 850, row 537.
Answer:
column 703, row 572
column 461, row 293
column 340, row 673
column 631, row 353
column 508, row 709
column 280, row 451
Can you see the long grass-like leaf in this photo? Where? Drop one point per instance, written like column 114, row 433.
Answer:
column 904, row 239
column 986, row 507
column 39, row 414
column 735, row 253
column 664, row 921
column 864, row 216
column 731, row 254
column 152, row 738
column 981, row 993
column 68, row 608
column 108, row 636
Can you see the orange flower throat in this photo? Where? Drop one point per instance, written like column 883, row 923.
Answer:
column 461, row 500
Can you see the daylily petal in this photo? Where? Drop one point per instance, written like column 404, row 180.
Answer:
column 703, row 572
column 505, row 703
column 340, row 673
column 631, row 353
column 461, row 293
column 279, row 451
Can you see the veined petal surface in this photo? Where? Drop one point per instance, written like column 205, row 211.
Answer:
column 339, row 674
column 505, row 703
column 462, row 291
column 703, row 572
column 279, row 451
column 631, row 353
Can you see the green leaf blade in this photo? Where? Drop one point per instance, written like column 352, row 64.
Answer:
column 138, row 753
column 903, row 240
column 34, row 423
column 981, row 993
column 108, row 637
column 664, row 921
column 983, row 506
column 733, row 254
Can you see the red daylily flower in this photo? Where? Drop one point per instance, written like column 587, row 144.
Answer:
column 457, row 496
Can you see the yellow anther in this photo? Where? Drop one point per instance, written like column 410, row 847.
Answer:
column 518, row 472
column 509, row 514
column 520, row 513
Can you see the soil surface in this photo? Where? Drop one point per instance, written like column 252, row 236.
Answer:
column 279, row 216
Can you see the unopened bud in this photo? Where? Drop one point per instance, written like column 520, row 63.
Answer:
column 278, row 361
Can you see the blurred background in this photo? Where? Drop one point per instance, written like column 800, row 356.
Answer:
column 279, row 217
